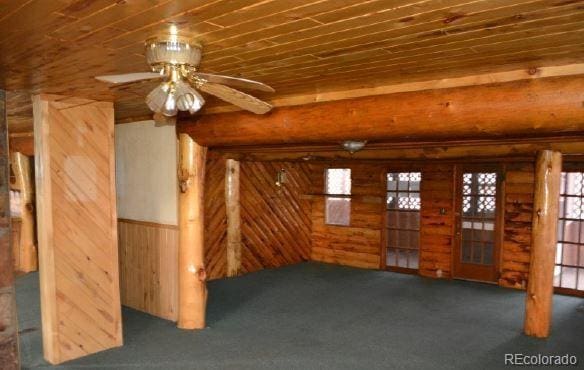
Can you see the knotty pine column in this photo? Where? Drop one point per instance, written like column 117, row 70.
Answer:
column 538, row 307
column 232, row 207
column 8, row 323
column 191, row 274
column 21, row 166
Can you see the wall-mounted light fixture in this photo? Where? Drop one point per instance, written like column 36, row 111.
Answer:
column 353, row 146
column 281, row 178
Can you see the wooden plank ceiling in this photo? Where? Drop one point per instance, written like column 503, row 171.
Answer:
column 298, row 46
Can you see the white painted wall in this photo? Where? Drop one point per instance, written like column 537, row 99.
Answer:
column 146, row 180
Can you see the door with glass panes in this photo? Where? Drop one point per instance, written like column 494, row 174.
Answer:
column 476, row 251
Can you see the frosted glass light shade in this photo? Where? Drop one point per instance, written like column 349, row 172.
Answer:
column 173, row 50
column 157, row 97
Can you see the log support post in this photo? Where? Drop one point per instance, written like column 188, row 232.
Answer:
column 538, row 307
column 232, row 206
column 21, row 166
column 192, row 274
column 8, row 323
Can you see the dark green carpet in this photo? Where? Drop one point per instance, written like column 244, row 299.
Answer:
column 317, row 316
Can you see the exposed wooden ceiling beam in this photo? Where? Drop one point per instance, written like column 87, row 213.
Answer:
column 535, row 108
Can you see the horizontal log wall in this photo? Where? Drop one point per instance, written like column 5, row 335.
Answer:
column 436, row 229
column 519, row 188
column 359, row 244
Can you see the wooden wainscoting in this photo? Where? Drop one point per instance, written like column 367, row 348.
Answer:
column 148, row 267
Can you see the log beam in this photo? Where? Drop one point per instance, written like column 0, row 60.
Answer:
column 536, row 108
column 232, row 207
column 538, row 310
column 21, row 166
column 192, row 274
column 8, row 323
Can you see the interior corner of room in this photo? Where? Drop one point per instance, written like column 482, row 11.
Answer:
column 266, row 184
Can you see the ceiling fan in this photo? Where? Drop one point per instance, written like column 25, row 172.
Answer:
column 174, row 60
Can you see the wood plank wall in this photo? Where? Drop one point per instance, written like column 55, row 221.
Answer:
column 276, row 232
column 148, row 267
column 359, row 244
column 275, row 221
column 76, row 211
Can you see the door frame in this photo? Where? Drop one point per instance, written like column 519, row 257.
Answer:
column 397, row 167
column 473, row 271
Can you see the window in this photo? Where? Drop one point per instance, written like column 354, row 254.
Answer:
column 403, row 219
column 338, row 200
column 479, row 203
column 569, row 268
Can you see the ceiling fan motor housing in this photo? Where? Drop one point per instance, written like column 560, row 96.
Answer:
column 172, row 50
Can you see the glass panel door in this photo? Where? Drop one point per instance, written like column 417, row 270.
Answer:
column 477, row 226
column 403, row 220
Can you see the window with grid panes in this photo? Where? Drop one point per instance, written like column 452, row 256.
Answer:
column 403, row 219
column 569, row 267
column 338, row 200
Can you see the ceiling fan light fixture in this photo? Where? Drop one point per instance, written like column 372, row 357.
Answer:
column 170, row 107
column 157, row 97
column 174, row 50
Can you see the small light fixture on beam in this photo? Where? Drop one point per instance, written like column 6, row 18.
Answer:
column 353, row 146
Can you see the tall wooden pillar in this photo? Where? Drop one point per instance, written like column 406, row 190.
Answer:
column 77, row 226
column 191, row 264
column 21, row 167
column 8, row 323
column 538, row 310
column 232, row 207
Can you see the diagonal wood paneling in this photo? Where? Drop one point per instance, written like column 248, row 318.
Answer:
column 275, row 223
column 77, row 227
column 215, row 218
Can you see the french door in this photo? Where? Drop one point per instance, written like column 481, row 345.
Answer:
column 478, row 202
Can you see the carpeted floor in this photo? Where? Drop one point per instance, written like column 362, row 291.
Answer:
column 318, row 316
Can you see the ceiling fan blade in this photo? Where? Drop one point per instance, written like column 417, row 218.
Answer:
column 241, row 83
column 162, row 120
column 129, row 77
column 235, row 97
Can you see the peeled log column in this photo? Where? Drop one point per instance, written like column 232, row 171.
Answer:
column 192, row 274
column 232, row 206
column 540, row 288
column 8, row 324
column 28, row 250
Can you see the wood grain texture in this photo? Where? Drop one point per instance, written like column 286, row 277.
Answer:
column 437, row 192
column 27, row 251
column 359, row 244
column 233, row 208
column 517, row 109
column 275, row 222
column 515, row 250
column 540, row 288
column 148, row 267
column 77, row 231
column 192, row 275
column 299, row 47
column 8, row 323
column 215, row 218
